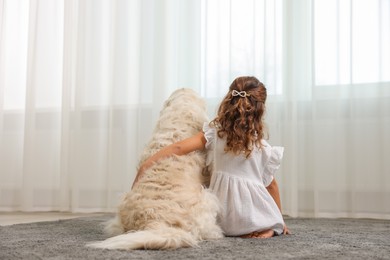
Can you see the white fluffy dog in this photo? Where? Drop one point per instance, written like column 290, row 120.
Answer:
column 169, row 207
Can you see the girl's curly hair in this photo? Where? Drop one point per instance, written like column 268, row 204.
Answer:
column 240, row 119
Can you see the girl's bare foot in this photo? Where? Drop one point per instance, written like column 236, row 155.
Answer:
column 263, row 234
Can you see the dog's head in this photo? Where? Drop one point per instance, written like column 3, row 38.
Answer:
column 184, row 96
column 185, row 109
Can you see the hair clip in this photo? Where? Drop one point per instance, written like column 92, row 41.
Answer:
column 236, row 93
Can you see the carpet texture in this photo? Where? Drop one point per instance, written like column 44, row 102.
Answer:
column 311, row 239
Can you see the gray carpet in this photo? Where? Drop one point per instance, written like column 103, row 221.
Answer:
column 311, row 239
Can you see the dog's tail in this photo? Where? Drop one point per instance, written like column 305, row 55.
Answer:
column 162, row 238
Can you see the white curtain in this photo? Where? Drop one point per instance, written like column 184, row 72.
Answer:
column 82, row 82
column 326, row 65
column 81, row 85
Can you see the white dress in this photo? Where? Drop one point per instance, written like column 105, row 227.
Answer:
column 240, row 184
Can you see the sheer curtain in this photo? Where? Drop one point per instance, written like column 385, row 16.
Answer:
column 326, row 65
column 81, row 85
column 82, row 82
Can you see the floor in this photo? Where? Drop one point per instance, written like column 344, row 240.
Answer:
column 11, row 218
column 311, row 239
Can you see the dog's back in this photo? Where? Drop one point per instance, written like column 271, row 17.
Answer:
column 169, row 207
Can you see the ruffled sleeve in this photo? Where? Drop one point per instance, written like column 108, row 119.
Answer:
column 209, row 134
column 274, row 161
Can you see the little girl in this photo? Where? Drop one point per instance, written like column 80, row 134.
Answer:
column 244, row 163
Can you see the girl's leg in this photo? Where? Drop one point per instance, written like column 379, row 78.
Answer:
column 259, row 234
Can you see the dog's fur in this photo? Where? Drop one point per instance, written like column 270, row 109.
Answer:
column 169, row 207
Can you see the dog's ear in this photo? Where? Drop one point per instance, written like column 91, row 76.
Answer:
column 167, row 103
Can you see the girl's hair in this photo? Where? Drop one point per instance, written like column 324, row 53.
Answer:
column 240, row 117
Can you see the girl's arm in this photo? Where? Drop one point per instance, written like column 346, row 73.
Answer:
column 273, row 190
column 196, row 142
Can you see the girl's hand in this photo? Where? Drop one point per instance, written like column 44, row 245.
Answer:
column 286, row 231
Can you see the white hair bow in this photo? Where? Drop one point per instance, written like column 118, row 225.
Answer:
column 236, row 93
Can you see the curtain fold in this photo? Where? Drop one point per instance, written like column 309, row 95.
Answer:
column 329, row 104
column 82, row 83
column 333, row 112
